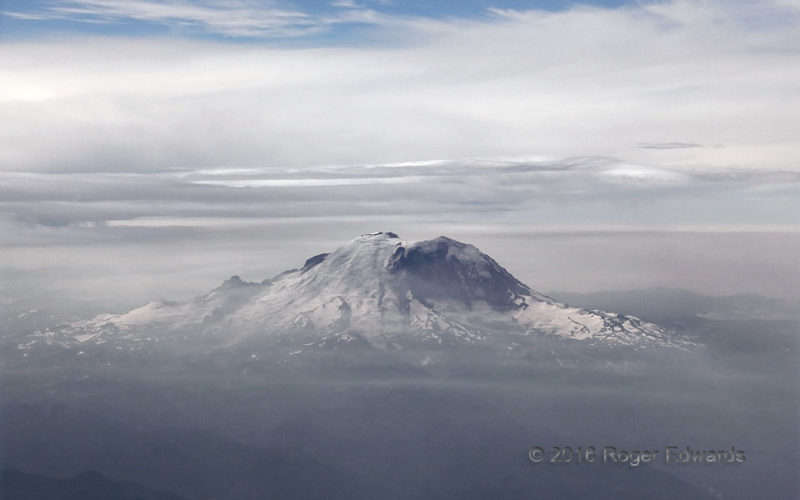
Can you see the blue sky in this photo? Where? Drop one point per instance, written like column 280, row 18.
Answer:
column 248, row 20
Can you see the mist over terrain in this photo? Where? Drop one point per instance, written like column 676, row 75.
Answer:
column 603, row 197
column 361, row 425
column 261, row 419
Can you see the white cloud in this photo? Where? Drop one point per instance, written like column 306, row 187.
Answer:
column 350, row 181
column 698, row 99
column 345, row 4
column 586, row 81
column 642, row 175
column 230, row 18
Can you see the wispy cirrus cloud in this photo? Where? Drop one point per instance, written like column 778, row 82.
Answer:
column 623, row 82
column 235, row 18
column 669, row 145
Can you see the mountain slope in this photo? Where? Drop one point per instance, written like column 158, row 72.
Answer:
column 376, row 291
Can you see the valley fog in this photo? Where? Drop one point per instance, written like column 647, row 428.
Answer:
column 401, row 369
column 432, row 423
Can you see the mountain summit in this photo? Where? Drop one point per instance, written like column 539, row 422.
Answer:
column 377, row 291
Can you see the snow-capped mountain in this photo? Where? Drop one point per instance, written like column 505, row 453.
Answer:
column 376, row 291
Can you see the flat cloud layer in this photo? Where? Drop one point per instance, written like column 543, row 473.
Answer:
column 576, row 224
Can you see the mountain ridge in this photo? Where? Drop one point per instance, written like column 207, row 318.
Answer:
column 376, row 290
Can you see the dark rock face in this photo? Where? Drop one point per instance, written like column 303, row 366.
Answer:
column 314, row 261
column 235, row 282
column 447, row 269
